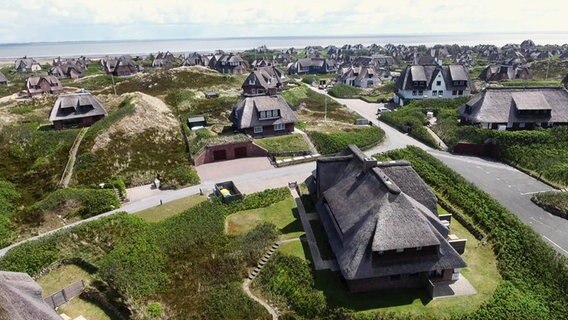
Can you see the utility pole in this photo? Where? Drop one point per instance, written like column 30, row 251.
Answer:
column 325, row 109
column 113, row 86
column 547, row 68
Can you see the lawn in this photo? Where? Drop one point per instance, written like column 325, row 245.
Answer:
column 283, row 215
column 170, row 209
column 62, row 277
column 79, row 307
column 288, row 143
column 481, row 272
column 296, row 248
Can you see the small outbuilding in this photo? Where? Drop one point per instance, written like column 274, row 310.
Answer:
column 211, row 95
column 196, row 123
column 76, row 110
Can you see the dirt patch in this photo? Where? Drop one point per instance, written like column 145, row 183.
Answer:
column 149, row 112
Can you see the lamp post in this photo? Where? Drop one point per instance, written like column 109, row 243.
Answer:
column 325, row 109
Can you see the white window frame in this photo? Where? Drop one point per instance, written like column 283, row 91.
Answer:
column 257, row 129
column 434, row 93
column 440, row 93
column 279, row 127
column 252, row 82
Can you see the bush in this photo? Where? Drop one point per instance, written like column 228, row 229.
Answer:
column 344, row 91
column 533, row 269
column 155, row 310
column 135, row 267
column 289, row 279
column 31, row 257
column 9, row 197
column 553, row 202
column 74, row 202
column 181, row 176
column 310, row 79
column 364, row 138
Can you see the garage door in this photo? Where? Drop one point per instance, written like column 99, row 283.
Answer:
column 219, row 155
column 241, row 152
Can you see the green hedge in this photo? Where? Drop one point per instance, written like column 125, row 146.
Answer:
column 344, row 91
column 536, row 285
column 365, row 137
column 289, row 279
column 91, row 203
column 9, row 197
column 553, row 202
column 310, row 79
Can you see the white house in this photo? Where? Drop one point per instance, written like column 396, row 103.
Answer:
column 432, row 81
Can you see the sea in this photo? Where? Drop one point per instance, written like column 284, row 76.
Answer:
column 141, row 47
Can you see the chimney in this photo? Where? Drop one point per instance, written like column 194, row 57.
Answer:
column 369, row 163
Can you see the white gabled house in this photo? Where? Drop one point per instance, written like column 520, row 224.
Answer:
column 419, row 82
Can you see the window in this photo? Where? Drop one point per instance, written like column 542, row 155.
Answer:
column 521, row 125
column 420, row 92
column 414, row 92
column 434, row 93
column 381, row 252
column 258, row 129
column 279, row 127
column 400, row 250
column 275, row 113
column 438, row 83
column 460, row 93
column 440, row 93
column 252, row 82
column 418, row 248
column 454, row 92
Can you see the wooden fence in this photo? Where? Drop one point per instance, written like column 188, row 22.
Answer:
column 63, row 296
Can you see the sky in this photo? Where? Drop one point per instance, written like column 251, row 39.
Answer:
column 78, row 20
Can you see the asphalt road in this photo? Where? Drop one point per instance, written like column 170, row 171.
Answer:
column 507, row 185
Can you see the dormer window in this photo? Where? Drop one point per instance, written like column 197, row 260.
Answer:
column 252, row 82
column 270, row 114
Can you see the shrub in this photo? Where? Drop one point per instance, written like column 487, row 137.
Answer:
column 9, row 197
column 553, row 202
column 230, row 302
column 155, row 310
column 91, row 202
column 181, row 176
column 30, row 257
column 344, row 91
column 310, row 79
column 289, row 279
column 364, row 138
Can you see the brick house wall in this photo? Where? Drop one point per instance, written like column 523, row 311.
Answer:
column 268, row 130
column 230, row 151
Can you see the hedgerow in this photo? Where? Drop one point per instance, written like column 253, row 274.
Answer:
column 365, row 138
column 344, row 91
column 289, row 279
column 536, row 285
column 85, row 203
column 9, row 197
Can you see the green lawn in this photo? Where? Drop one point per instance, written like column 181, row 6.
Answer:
column 61, row 278
column 287, row 143
column 481, row 272
column 79, row 307
column 295, row 248
column 283, row 215
column 169, row 209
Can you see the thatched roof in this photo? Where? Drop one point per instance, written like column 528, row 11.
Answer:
column 428, row 73
column 245, row 113
column 77, row 105
column 20, row 298
column 500, row 105
column 368, row 208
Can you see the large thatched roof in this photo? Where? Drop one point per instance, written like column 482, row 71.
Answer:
column 20, row 298
column 369, row 208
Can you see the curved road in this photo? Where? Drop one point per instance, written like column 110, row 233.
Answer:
column 507, row 185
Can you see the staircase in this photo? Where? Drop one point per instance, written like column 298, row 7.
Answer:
column 262, row 262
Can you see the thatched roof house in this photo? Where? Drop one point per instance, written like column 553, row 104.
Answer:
column 42, row 85
column 76, row 110
column 20, row 298
column 26, row 64
column 265, row 81
column 517, row 108
column 381, row 222
column 504, row 72
column 263, row 115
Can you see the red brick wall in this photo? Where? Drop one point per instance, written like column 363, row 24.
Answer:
column 269, row 131
column 207, row 155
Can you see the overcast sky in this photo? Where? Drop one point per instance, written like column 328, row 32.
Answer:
column 72, row 20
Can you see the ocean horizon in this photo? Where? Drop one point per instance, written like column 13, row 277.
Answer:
column 141, row 47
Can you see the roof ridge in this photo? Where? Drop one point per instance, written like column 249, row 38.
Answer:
column 386, row 180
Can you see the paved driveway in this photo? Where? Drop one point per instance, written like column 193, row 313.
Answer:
column 217, row 171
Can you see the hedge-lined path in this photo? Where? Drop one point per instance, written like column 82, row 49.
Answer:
column 246, row 289
column 68, row 172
